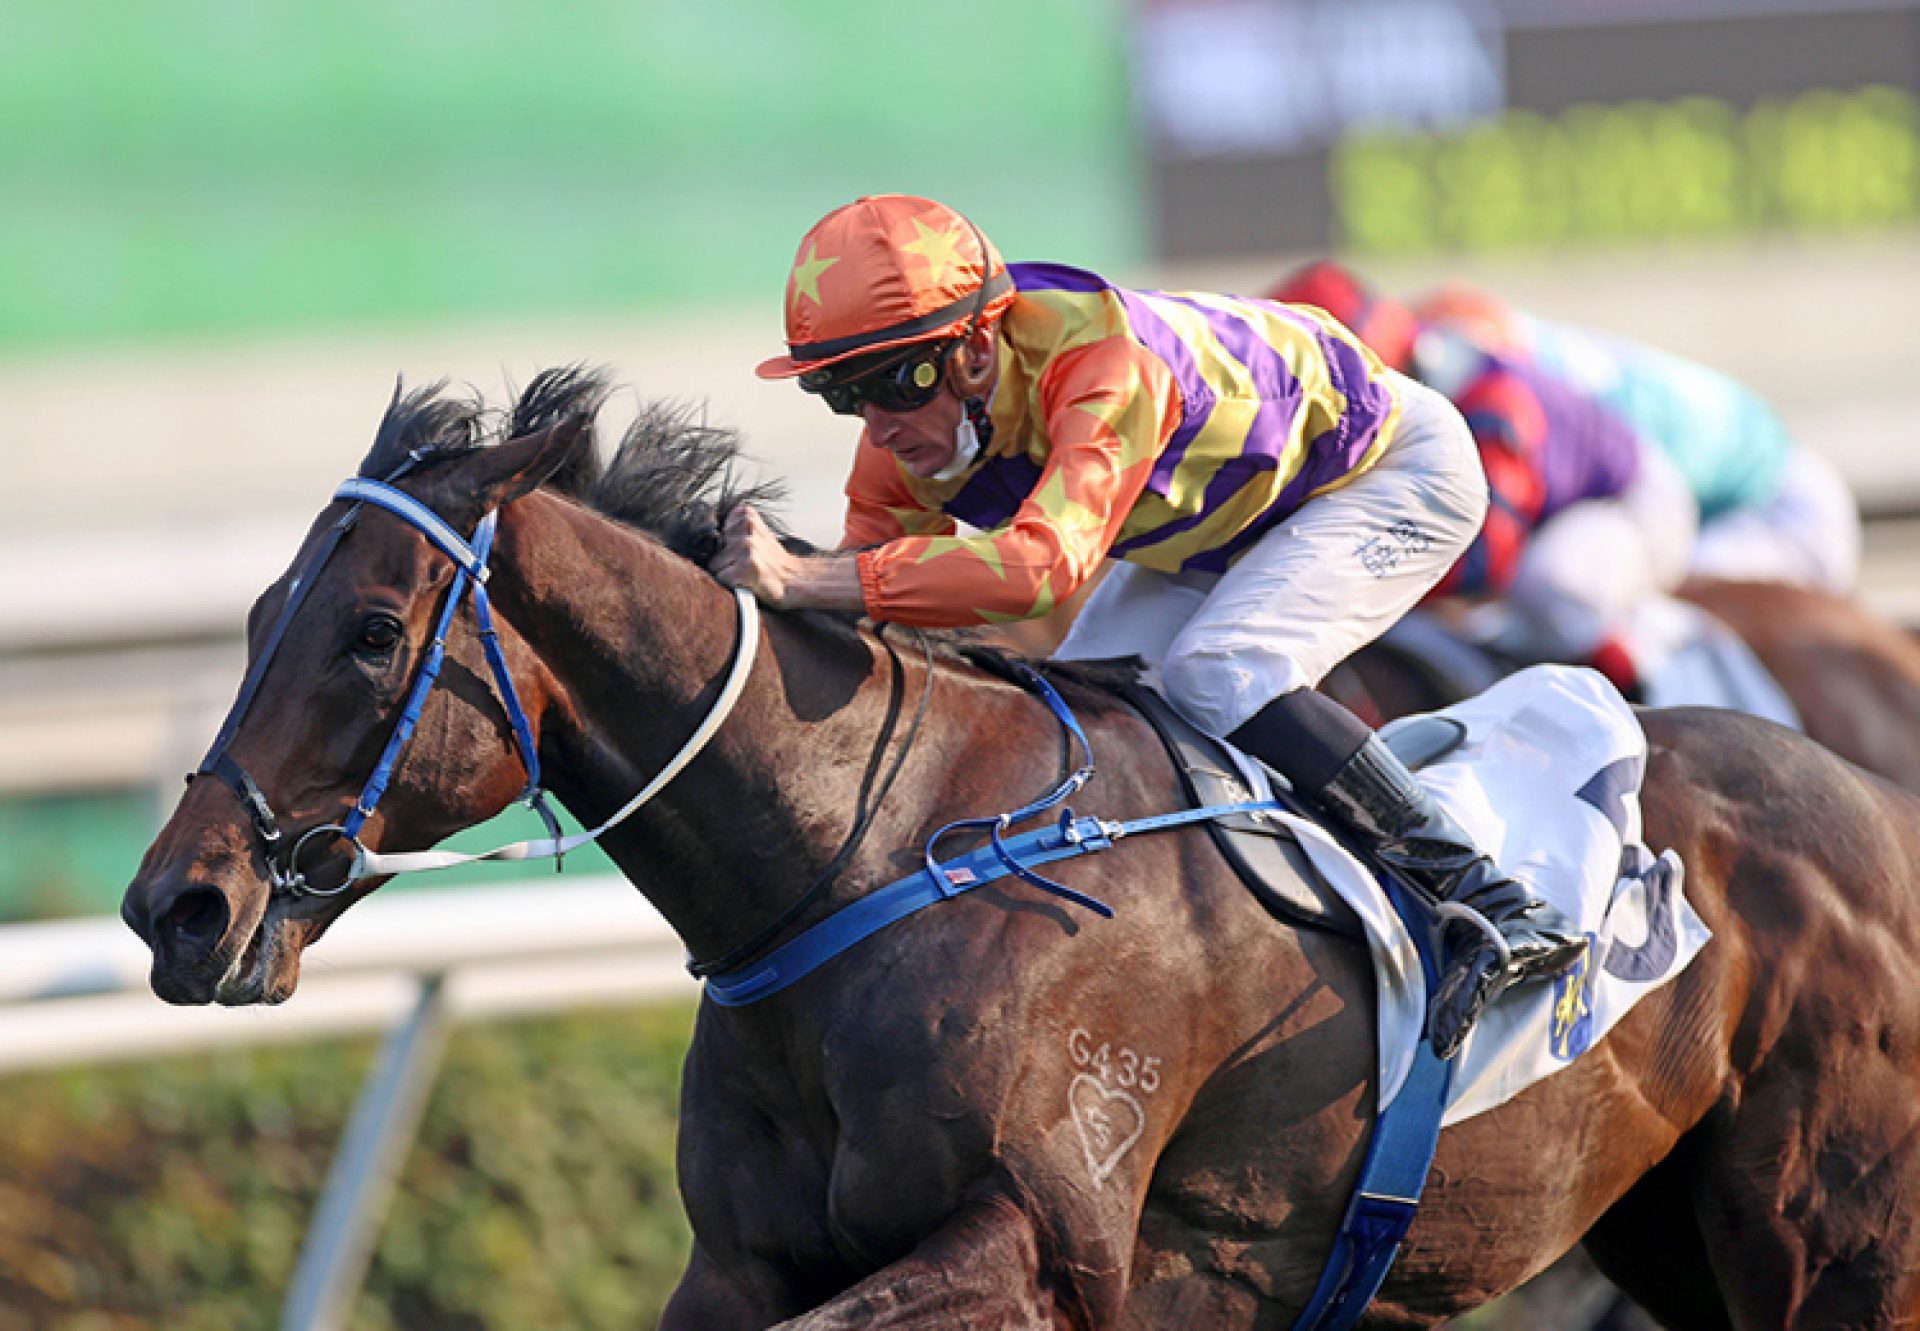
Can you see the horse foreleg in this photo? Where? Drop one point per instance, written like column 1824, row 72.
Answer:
column 980, row 1271
column 709, row 1299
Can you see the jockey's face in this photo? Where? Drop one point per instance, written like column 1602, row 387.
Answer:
column 923, row 439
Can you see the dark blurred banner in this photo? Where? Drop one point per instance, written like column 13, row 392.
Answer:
column 1415, row 126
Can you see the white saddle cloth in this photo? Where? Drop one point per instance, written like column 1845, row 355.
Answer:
column 1548, row 782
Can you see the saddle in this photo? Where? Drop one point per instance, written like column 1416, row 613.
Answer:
column 1260, row 847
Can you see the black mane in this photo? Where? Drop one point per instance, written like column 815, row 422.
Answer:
column 425, row 424
column 673, row 474
column 552, row 397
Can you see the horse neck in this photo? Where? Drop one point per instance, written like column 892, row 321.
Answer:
column 633, row 645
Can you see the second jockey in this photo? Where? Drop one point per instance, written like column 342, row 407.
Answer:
column 1771, row 509
column 1586, row 521
column 1276, row 495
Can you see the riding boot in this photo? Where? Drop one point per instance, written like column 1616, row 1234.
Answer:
column 1497, row 933
column 1510, row 937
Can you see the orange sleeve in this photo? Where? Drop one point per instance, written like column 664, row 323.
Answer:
column 1108, row 409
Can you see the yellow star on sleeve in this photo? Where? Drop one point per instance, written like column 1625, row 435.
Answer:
column 1125, row 418
column 806, row 275
column 985, row 551
column 941, row 249
column 1042, row 604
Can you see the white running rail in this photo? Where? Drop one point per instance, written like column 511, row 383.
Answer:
column 75, row 992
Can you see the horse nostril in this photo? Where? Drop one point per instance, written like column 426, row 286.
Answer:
column 197, row 917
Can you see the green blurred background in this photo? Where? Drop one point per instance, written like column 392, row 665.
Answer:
column 221, row 166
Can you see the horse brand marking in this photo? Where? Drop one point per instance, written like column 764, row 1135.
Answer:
column 1107, row 1114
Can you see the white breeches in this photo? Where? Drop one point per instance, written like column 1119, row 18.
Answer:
column 1586, row 568
column 1807, row 534
column 1320, row 585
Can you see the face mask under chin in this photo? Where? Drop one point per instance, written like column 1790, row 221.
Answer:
column 966, row 447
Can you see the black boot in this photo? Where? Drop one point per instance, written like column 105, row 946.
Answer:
column 1504, row 936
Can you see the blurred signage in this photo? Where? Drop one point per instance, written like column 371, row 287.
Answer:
column 1231, row 76
column 1694, row 167
column 1399, row 125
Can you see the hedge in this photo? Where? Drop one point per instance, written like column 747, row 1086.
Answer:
column 174, row 1194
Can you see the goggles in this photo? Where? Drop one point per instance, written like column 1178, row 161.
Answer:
column 905, row 385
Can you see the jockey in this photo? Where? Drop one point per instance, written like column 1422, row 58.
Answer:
column 1569, row 478
column 1771, row 510
column 1278, row 497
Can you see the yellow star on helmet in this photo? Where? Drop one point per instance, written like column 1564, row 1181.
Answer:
column 941, row 249
column 806, row 275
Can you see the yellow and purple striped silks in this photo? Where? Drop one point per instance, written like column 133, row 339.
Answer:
column 1168, row 429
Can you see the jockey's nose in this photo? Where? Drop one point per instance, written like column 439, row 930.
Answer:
column 883, row 426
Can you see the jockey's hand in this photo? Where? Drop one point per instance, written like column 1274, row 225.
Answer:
column 751, row 556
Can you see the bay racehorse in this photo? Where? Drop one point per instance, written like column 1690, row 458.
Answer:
column 930, row 1130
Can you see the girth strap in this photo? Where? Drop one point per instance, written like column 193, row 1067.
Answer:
column 1386, row 1196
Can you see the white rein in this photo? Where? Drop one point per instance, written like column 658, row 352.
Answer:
column 373, row 863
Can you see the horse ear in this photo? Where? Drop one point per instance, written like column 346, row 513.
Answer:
column 505, row 472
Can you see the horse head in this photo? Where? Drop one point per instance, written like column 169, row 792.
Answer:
column 259, row 856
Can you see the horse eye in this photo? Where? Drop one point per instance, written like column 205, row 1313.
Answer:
column 378, row 634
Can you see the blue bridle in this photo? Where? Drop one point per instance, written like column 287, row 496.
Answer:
column 470, row 576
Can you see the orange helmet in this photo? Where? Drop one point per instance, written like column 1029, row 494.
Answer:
column 886, row 271
column 1486, row 318
column 1383, row 324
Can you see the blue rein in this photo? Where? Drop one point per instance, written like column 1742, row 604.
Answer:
column 470, row 574
column 998, row 824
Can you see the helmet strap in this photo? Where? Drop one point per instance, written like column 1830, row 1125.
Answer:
column 971, row 381
column 977, row 419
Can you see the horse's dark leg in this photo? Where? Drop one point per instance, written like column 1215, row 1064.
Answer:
column 706, row 1300
column 980, row 1271
column 1649, row 1244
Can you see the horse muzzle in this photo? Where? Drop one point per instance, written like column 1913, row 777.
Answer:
column 210, row 934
